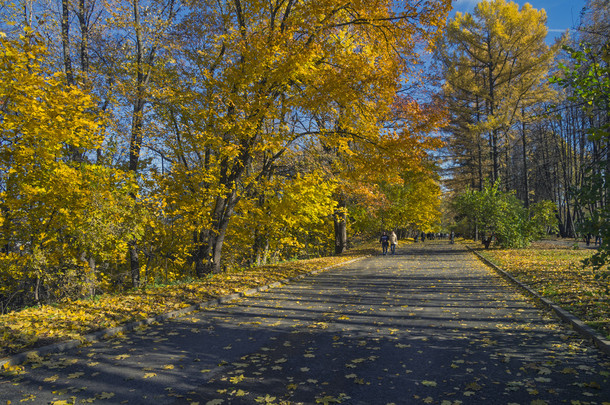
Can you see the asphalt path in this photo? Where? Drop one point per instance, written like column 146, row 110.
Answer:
column 430, row 324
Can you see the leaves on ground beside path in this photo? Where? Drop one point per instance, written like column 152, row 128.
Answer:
column 558, row 275
column 37, row 326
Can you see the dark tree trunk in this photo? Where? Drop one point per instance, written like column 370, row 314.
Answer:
column 210, row 241
column 84, row 35
column 143, row 71
column 526, row 185
column 260, row 249
column 134, row 264
column 340, row 219
column 65, row 39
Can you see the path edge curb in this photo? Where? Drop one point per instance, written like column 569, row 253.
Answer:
column 575, row 323
column 107, row 333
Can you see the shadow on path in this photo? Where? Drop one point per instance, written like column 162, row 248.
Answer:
column 428, row 325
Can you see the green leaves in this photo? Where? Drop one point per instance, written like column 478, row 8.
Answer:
column 494, row 213
column 587, row 77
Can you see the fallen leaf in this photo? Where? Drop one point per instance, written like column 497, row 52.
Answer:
column 106, row 395
column 237, row 379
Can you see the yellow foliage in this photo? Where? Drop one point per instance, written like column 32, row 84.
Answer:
column 75, row 318
column 58, row 210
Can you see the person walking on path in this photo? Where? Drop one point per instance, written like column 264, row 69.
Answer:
column 393, row 242
column 385, row 241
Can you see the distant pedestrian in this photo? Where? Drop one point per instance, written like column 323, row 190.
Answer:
column 452, row 237
column 423, row 237
column 385, row 241
column 393, row 242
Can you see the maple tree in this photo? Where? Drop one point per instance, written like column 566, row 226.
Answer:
column 58, row 215
column 258, row 82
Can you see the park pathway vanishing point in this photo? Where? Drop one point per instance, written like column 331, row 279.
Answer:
column 430, row 324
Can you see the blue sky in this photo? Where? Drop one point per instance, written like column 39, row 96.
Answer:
column 561, row 14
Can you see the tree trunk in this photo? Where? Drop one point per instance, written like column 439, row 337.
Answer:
column 210, row 241
column 526, row 186
column 340, row 220
column 494, row 151
column 84, row 35
column 260, row 249
column 65, row 41
column 135, row 143
column 134, row 264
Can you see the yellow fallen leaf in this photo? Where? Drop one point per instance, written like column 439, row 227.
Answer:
column 106, row 395
column 267, row 399
column 473, row 386
column 237, row 379
column 76, row 375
